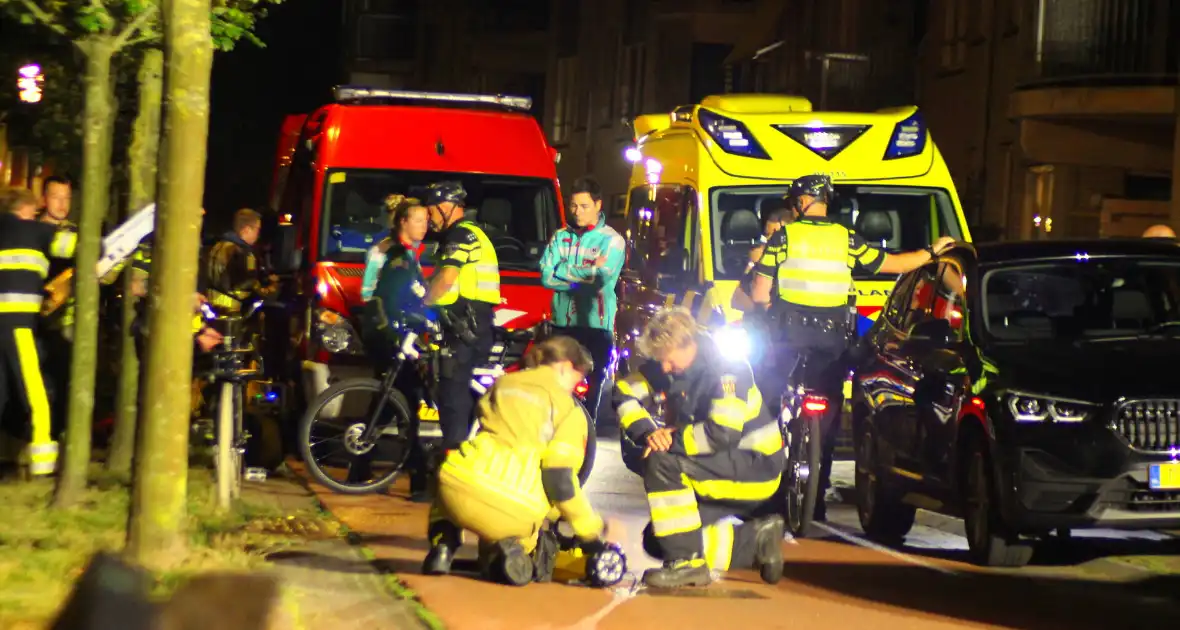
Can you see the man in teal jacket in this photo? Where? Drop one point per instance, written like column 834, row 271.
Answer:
column 582, row 264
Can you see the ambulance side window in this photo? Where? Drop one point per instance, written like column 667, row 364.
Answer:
column 661, row 224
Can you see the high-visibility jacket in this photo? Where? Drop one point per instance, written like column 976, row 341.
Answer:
column 717, row 409
column 25, row 250
column 812, row 259
column 529, row 448
column 467, row 248
column 231, row 274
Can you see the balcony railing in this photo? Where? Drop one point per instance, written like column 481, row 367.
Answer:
column 1107, row 41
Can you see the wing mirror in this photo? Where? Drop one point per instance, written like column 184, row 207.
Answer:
column 936, row 333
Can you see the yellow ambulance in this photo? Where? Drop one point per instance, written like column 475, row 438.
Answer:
column 703, row 176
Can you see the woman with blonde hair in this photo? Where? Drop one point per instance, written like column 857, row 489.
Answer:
column 521, row 467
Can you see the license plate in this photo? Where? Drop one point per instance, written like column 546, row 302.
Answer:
column 1164, row 476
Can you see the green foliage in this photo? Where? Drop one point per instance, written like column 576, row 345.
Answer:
column 135, row 22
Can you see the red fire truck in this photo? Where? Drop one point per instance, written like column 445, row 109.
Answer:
column 336, row 165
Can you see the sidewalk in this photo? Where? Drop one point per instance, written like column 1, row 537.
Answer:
column 329, row 583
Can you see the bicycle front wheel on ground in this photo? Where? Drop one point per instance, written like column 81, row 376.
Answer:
column 333, row 442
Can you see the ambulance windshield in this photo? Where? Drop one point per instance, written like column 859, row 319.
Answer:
column 892, row 218
column 517, row 213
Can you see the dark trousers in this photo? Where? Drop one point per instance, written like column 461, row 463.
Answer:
column 601, row 344
column 455, row 399
column 59, row 352
column 826, row 369
column 382, row 348
column 681, row 501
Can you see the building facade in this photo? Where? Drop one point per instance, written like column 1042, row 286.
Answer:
column 448, row 45
column 611, row 60
column 1058, row 116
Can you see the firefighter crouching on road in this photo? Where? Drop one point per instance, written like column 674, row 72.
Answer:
column 466, row 287
column 724, row 461
column 812, row 260
column 394, row 299
column 524, row 461
column 26, row 245
column 231, row 270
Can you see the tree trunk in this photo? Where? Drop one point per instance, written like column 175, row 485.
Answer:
column 156, row 536
column 98, row 129
column 142, row 158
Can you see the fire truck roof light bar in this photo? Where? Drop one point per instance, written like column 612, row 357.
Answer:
column 351, row 92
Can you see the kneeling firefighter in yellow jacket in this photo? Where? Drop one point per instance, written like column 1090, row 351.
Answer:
column 720, row 461
column 518, row 471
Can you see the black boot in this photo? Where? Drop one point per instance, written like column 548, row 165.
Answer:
column 768, row 548
column 679, row 574
column 545, row 556
column 438, row 560
column 507, row 563
column 445, row 540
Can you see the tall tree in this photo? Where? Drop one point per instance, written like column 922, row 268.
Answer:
column 142, row 156
column 156, row 535
column 231, row 22
column 98, row 29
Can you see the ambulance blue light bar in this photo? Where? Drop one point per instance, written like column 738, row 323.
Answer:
column 826, row 141
column 731, row 135
column 343, row 93
column 909, row 138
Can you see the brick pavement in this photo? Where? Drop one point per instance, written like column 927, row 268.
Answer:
column 329, row 583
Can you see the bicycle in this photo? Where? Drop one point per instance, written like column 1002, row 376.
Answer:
column 383, row 433
column 234, row 365
column 803, row 410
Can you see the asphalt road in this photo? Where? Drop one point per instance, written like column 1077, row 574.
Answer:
column 1100, row 579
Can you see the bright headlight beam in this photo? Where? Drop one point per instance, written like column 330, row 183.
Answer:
column 734, row 342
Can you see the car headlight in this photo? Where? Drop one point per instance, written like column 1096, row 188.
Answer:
column 1036, row 408
column 336, row 334
column 733, row 342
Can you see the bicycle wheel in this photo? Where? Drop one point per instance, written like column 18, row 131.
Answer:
column 227, row 462
column 591, row 449
column 802, row 476
column 334, row 448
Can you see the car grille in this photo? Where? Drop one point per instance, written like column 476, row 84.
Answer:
column 1150, row 425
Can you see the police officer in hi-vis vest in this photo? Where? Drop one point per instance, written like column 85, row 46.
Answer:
column 811, row 260
column 466, row 287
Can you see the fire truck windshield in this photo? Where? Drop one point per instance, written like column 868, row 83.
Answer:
column 892, row 218
column 517, row 213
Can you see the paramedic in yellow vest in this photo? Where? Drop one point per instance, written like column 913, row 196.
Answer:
column 504, row 483
column 26, row 246
column 811, row 262
column 465, row 287
column 231, row 274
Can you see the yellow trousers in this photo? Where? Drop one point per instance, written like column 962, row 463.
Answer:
column 493, row 492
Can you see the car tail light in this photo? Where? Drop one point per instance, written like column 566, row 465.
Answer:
column 815, row 404
column 581, row 388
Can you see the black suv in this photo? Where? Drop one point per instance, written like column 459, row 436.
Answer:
column 1026, row 387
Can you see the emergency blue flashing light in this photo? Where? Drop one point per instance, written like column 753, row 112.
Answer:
column 909, row 138
column 272, row 396
column 825, row 141
column 731, row 135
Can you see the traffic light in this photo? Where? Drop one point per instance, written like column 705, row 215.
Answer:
column 29, row 80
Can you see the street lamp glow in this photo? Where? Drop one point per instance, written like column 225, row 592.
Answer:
column 28, row 82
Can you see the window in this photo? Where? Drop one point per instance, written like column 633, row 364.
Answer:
column 920, row 297
column 565, row 107
column 517, row 213
column 899, row 298
column 661, row 223
column 1103, row 298
column 892, row 218
column 631, row 71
